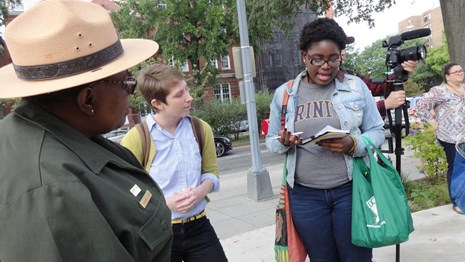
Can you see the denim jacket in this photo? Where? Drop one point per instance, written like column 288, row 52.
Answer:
column 354, row 106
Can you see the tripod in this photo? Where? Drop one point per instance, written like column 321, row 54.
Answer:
column 400, row 76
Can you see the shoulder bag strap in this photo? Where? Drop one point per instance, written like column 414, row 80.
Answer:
column 198, row 133
column 284, row 103
column 144, row 133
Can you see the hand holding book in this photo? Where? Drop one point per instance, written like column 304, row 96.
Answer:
column 328, row 132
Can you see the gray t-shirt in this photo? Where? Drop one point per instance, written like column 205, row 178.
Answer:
column 317, row 167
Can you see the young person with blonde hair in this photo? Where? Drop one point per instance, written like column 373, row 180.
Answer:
column 181, row 159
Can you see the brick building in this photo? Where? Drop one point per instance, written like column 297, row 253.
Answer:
column 431, row 19
column 279, row 59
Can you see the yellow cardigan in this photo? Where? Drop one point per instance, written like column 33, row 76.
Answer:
column 133, row 142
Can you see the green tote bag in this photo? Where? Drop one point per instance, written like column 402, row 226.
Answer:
column 380, row 211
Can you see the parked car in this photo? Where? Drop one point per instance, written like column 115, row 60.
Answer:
column 237, row 127
column 116, row 135
column 223, row 145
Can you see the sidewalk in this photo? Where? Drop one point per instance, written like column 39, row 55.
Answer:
column 439, row 236
column 246, row 227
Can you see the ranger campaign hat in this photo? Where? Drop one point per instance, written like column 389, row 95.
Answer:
column 59, row 44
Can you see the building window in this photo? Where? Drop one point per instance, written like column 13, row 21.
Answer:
column 426, row 17
column 296, row 57
column 185, row 66
column 170, row 61
column 17, row 7
column 225, row 62
column 267, row 60
column 278, row 58
column 222, row 92
column 214, row 63
column 175, row 63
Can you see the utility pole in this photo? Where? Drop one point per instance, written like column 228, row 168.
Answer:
column 258, row 178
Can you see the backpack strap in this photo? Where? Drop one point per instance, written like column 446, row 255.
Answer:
column 198, row 133
column 284, row 104
column 146, row 142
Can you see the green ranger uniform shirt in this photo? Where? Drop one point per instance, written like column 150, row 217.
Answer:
column 64, row 197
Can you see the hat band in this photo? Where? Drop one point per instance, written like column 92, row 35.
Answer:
column 70, row 67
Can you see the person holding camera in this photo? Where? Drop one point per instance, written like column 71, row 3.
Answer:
column 447, row 101
column 319, row 177
column 393, row 99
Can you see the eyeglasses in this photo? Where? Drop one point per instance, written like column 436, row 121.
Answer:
column 456, row 72
column 332, row 62
column 129, row 84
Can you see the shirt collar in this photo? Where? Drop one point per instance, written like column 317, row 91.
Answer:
column 151, row 121
column 102, row 150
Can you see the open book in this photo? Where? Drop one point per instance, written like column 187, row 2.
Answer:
column 328, row 132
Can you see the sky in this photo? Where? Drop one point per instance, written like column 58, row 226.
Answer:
column 386, row 22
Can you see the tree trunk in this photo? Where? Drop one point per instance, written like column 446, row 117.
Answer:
column 453, row 15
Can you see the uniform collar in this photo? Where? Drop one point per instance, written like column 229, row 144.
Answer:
column 102, row 150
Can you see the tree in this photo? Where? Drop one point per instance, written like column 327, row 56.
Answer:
column 372, row 61
column 5, row 6
column 429, row 74
column 350, row 62
column 453, row 15
column 190, row 31
column 263, row 16
column 136, row 18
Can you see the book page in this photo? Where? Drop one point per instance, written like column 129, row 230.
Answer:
column 328, row 132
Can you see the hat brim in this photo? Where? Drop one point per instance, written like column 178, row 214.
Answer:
column 135, row 52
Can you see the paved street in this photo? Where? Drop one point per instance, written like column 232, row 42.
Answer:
column 240, row 159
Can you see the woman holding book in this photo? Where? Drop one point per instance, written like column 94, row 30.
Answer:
column 319, row 174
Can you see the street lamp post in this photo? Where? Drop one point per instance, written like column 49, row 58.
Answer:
column 258, row 178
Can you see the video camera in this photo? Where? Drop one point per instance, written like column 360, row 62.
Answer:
column 395, row 57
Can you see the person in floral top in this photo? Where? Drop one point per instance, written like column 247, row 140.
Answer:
column 443, row 107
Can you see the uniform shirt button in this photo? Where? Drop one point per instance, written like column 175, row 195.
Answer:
column 346, row 123
column 164, row 226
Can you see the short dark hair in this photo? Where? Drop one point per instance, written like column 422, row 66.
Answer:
column 446, row 70
column 51, row 101
column 322, row 29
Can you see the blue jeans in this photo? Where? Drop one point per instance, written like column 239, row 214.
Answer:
column 450, row 150
column 323, row 219
column 196, row 241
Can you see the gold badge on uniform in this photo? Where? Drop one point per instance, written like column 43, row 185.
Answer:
column 145, row 199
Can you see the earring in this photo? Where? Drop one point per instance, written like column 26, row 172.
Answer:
column 92, row 111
